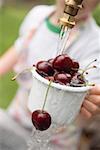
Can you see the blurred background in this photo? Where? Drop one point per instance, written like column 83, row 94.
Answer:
column 12, row 13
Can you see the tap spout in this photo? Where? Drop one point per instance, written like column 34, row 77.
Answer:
column 70, row 11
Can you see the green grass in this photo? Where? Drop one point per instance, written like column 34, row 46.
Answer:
column 96, row 15
column 10, row 20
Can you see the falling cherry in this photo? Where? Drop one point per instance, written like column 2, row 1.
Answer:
column 41, row 120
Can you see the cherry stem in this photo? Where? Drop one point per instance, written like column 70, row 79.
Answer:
column 25, row 70
column 46, row 94
column 90, row 84
column 86, row 68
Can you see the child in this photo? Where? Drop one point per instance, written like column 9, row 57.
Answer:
column 38, row 39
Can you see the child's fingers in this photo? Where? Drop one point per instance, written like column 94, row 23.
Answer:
column 94, row 99
column 91, row 107
column 85, row 113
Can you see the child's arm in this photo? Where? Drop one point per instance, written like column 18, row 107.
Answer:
column 8, row 60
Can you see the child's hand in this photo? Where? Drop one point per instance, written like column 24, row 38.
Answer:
column 91, row 105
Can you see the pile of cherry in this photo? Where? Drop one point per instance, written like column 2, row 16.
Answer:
column 62, row 70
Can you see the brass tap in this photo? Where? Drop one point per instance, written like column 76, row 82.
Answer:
column 70, row 11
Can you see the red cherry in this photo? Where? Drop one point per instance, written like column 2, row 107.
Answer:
column 63, row 63
column 44, row 67
column 75, row 64
column 75, row 68
column 41, row 120
column 78, row 80
column 62, row 78
column 42, row 74
column 51, row 61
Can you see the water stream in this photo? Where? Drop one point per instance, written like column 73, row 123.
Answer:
column 63, row 38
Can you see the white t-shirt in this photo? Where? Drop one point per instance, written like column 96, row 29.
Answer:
column 43, row 45
column 85, row 47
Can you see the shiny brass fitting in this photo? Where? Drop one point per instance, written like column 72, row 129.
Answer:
column 70, row 11
column 67, row 20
